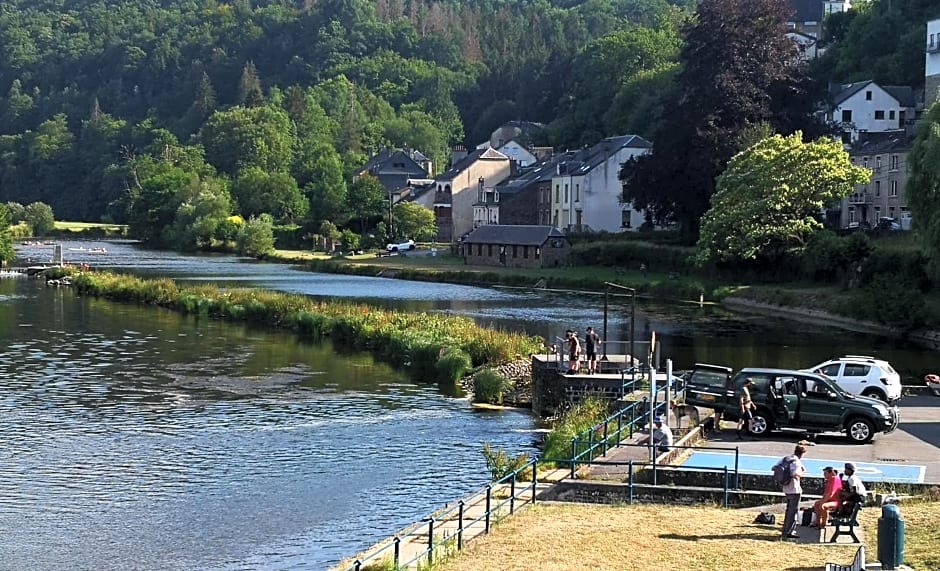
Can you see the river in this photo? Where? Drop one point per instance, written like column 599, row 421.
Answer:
column 135, row 438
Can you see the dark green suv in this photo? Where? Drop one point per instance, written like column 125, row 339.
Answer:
column 790, row 399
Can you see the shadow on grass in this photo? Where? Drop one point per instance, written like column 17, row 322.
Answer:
column 773, row 536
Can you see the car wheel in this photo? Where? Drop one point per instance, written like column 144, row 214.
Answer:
column 394, row 248
column 875, row 394
column 761, row 424
column 859, row 431
column 411, row 246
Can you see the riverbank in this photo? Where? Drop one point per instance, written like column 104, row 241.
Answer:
column 421, row 343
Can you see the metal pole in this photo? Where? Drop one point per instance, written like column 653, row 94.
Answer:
column 668, row 401
column 606, row 295
column 632, row 325
column 460, row 525
column 431, row 541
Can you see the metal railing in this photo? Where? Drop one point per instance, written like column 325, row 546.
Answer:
column 432, row 530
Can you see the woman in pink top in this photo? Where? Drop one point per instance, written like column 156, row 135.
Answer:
column 830, row 499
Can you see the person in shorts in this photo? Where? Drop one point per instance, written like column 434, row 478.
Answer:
column 574, row 353
column 747, row 406
column 591, row 342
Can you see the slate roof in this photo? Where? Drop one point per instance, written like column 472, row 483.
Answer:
column 806, row 11
column 512, row 235
column 903, row 93
column 534, row 174
column 586, row 160
column 393, row 168
column 475, row 155
column 873, row 143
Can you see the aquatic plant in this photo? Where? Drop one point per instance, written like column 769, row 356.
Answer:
column 414, row 341
column 489, row 387
column 584, row 415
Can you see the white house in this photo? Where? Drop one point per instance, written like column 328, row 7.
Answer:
column 866, row 107
column 586, row 187
column 518, row 153
column 932, row 62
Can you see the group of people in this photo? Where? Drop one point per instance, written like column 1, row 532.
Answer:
column 841, row 492
column 592, row 342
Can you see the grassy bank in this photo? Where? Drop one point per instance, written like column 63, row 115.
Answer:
column 445, row 268
column 412, row 341
column 562, row 537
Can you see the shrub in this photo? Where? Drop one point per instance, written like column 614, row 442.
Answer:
column 585, row 415
column 500, row 463
column 490, row 387
column 452, row 366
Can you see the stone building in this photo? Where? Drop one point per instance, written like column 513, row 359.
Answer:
column 516, row 246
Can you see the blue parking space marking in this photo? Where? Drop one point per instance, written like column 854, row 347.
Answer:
column 752, row 464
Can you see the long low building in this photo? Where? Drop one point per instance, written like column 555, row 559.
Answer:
column 516, row 246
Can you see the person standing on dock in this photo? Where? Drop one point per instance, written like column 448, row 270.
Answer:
column 591, row 342
column 574, row 353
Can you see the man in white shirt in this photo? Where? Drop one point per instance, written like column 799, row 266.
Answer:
column 662, row 435
column 853, row 484
column 793, row 490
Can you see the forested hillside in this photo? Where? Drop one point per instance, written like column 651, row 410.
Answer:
column 90, row 87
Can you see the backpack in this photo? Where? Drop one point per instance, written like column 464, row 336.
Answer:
column 783, row 471
column 765, row 518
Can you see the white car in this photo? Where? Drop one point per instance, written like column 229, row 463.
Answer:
column 400, row 247
column 863, row 375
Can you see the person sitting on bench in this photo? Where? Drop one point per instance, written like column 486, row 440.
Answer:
column 662, row 435
column 831, row 497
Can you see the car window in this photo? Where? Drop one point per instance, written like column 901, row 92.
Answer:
column 856, row 370
column 761, row 382
column 816, row 387
column 787, row 385
column 888, row 369
column 708, row 377
column 831, row 370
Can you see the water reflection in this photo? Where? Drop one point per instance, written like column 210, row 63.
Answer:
column 136, row 438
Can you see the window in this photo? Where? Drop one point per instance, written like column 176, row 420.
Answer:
column 894, row 162
column 891, row 114
column 831, row 370
column 877, row 213
column 525, row 252
column 855, row 370
column 894, row 191
column 566, row 194
column 489, row 249
column 846, row 115
column 538, row 252
column 515, row 251
column 868, row 96
column 891, row 211
column 880, row 115
column 878, row 161
column 625, row 219
column 877, row 188
column 865, row 162
column 479, row 249
column 557, row 196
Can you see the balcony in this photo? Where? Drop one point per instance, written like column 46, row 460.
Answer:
column 860, row 198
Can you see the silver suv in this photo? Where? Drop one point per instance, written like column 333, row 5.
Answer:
column 863, row 375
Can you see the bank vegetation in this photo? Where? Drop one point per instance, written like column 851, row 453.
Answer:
column 421, row 343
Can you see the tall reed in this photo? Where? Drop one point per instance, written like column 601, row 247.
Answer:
column 414, row 341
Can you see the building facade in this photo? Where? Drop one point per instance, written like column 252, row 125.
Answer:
column 866, row 107
column 932, row 63
column 886, row 154
column 458, row 190
column 516, row 246
column 586, row 187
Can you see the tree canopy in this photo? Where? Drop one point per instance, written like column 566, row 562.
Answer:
column 6, row 240
column 770, row 197
column 923, row 186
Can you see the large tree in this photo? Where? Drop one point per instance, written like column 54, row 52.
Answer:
column 923, row 186
column 769, row 199
column 6, row 240
column 738, row 68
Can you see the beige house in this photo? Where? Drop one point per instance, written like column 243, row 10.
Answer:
column 886, row 154
column 458, row 189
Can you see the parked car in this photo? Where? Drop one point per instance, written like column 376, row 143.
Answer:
column 863, row 375
column 790, row 399
column 400, row 246
column 888, row 223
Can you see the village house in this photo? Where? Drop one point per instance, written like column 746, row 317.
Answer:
column 866, row 107
column 516, row 246
column 932, row 63
column 587, row 188
column 458, row 189
column 870, row 205
column 525, row 198
column 395, row 168
column 808, row 15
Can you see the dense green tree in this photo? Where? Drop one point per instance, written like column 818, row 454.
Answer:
column 16, row 212
column 243, row 137
column 249, row 87
column 325, row 188
column 202, row 221
column 413, row 221
column 258, row 192
column 923, row 186
column 769, row 199
column 366, row 200
column 155, row 199
column 256, row 237
column 40, row 218
column 6, row 240
column 727, row 81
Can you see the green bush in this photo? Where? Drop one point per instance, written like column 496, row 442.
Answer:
column 500, row 463
column 632, row 253
column 452, row 366
column 585, row 415
column 490, row 387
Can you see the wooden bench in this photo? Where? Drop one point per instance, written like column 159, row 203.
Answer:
column 850, row 522
column 857, row 564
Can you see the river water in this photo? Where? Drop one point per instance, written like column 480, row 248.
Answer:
column 136, row 438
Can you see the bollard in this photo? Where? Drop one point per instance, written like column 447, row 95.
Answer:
column 890, row 537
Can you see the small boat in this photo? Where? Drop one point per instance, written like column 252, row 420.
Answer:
column 933, row 383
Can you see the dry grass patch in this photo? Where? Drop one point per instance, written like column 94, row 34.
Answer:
column 575, row 537
column 922, row 533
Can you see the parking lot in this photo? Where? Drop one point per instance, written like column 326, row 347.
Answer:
column 915, row 444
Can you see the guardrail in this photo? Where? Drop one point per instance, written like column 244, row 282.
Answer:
column 446, row 530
